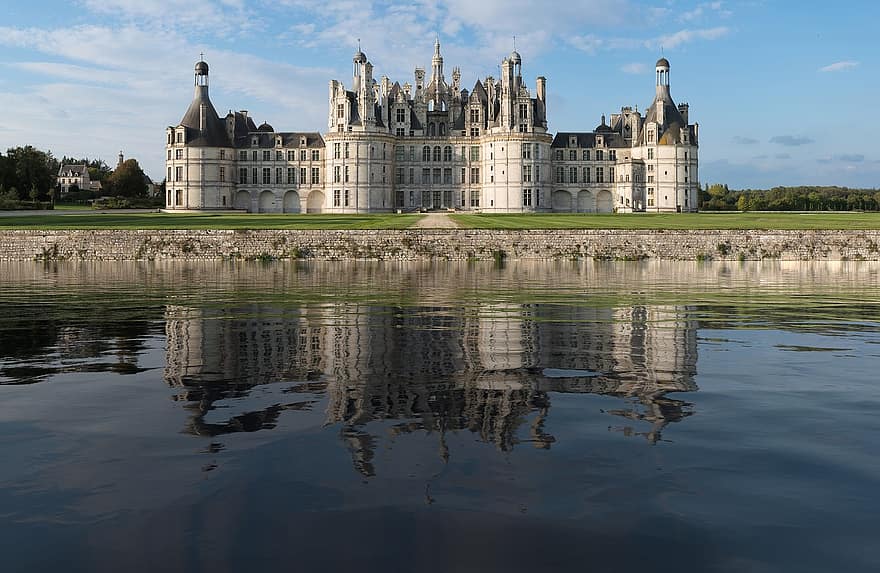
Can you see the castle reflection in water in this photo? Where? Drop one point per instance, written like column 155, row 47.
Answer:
column 489, row 369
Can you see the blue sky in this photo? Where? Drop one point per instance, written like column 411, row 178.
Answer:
column 784, row 92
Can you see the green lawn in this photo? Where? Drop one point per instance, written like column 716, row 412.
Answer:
column 671, row 221
column 123, row 220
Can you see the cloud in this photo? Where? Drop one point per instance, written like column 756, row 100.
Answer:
column 684, row 36
column 851, row 157
column 701, row 10
column 635, row 68
column 740, row 140
column 790, row 140
column 782, row 156
column 839, row 66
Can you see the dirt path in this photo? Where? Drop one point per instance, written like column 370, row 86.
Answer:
column 435, row 221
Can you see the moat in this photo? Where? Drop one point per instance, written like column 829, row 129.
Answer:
column 439, row 416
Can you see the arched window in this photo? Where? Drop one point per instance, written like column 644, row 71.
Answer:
column 437, row 153
column 447, row 153
column 432, row 130
column 426, row 153
column 430, row 105
column 442, row 129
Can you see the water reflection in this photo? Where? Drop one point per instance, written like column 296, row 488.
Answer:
column 490, row 370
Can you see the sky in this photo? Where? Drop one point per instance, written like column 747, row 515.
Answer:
column 784, row 92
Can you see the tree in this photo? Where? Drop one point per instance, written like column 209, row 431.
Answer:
column 31, row 169
column 127, row 181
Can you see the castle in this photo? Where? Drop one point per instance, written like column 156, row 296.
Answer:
column 432, row 144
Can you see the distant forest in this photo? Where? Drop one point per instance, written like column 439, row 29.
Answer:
column 718, row 197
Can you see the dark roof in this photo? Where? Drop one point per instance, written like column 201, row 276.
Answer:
column 266, row 127
column 480, row 92
column 202, row 68
column 78, row 169
column 289, row 139
column 215, row 129
column 584, row 139
column 662, row 63
column 670, row 131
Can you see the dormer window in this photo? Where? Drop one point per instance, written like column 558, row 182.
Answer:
column 255, row 142
column 572, row 141
column 302, row 141
column 278, row 141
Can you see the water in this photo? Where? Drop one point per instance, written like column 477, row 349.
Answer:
column 445, row 417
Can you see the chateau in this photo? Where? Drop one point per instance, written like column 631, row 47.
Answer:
column 432, row 144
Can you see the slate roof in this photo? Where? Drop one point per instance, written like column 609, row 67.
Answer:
column 75, row 170
column 215, row 129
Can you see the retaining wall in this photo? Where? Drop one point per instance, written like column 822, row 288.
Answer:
column 452, row 244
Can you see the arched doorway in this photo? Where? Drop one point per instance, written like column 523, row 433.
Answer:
column 267, row 202
column 604, row 202
column 561, row 201
column 315, row 202
column 291, row 202
column 585, row 202
column 242, row 201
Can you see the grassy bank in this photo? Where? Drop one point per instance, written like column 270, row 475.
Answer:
column 671, row 221
column 676, row 221
column 158, row 221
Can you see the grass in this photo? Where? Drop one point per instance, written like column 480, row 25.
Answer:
column 665, row 221
column 675, row 221
column 154, row 221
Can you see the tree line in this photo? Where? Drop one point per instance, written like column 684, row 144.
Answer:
column 719, row 197
column 28, row 178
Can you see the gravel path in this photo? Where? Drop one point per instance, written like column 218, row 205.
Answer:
column 435, row 221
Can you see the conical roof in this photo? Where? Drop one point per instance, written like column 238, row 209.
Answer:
column 214, row 134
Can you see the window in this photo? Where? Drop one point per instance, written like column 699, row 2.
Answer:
column 412, row 175
column 559, row 155
column 302, row 176
column 586, row 174
column 178, row 154
column 412, row 153
column 447, row 153
column 242, row 155
column 337, row 174
column 222, row 174
column 267, row 156
column 560, row 174
column 612, row 155
column 401, row 116
column 437, row 153
column 291, row 176
column 426, row 176
column 527, row 198
column 279, row 156
column 475, row 175
column 179, row 197
column 527, row 151
column 399, row 153
column 475, row 153
column 267, row 175
column 346, row 149
column 475, row 132
column 537, row 173
column 345, row 198
column 475, row 198
column 179, row 137
column 475, row 116
column 650, row 153
column 650, row 178
column 650, row 168
column 345, row 172
column 572, row 155
column 426, row 153
column 178, row 174
column 611, row 174
column 337, row 198
column 572, row 174
column 600, row 175
column 340, row 111
column 242, row 175
column 523, row 112
column 316, row 155
column 523, row 128
column 447, row 175
column 337, row 151
column 586, row 154
column 463, row 176
column 527, row 173
column 168, row 177
column 253, row 155
column 291, row 156
column 316, row 175
column 436, row 179
column 398, row 175
column 600, row 155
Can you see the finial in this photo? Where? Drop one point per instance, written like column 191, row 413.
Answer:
column 201, row 56
column 514, row 43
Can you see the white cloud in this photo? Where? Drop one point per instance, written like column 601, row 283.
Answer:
column 839, row 66
column 635, row 68
column 684, row 36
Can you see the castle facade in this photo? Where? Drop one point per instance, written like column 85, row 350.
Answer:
column 432, row 144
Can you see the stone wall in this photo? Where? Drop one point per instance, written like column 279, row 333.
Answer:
column 453, row 244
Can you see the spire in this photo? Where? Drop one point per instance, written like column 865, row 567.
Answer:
column 437, row 64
